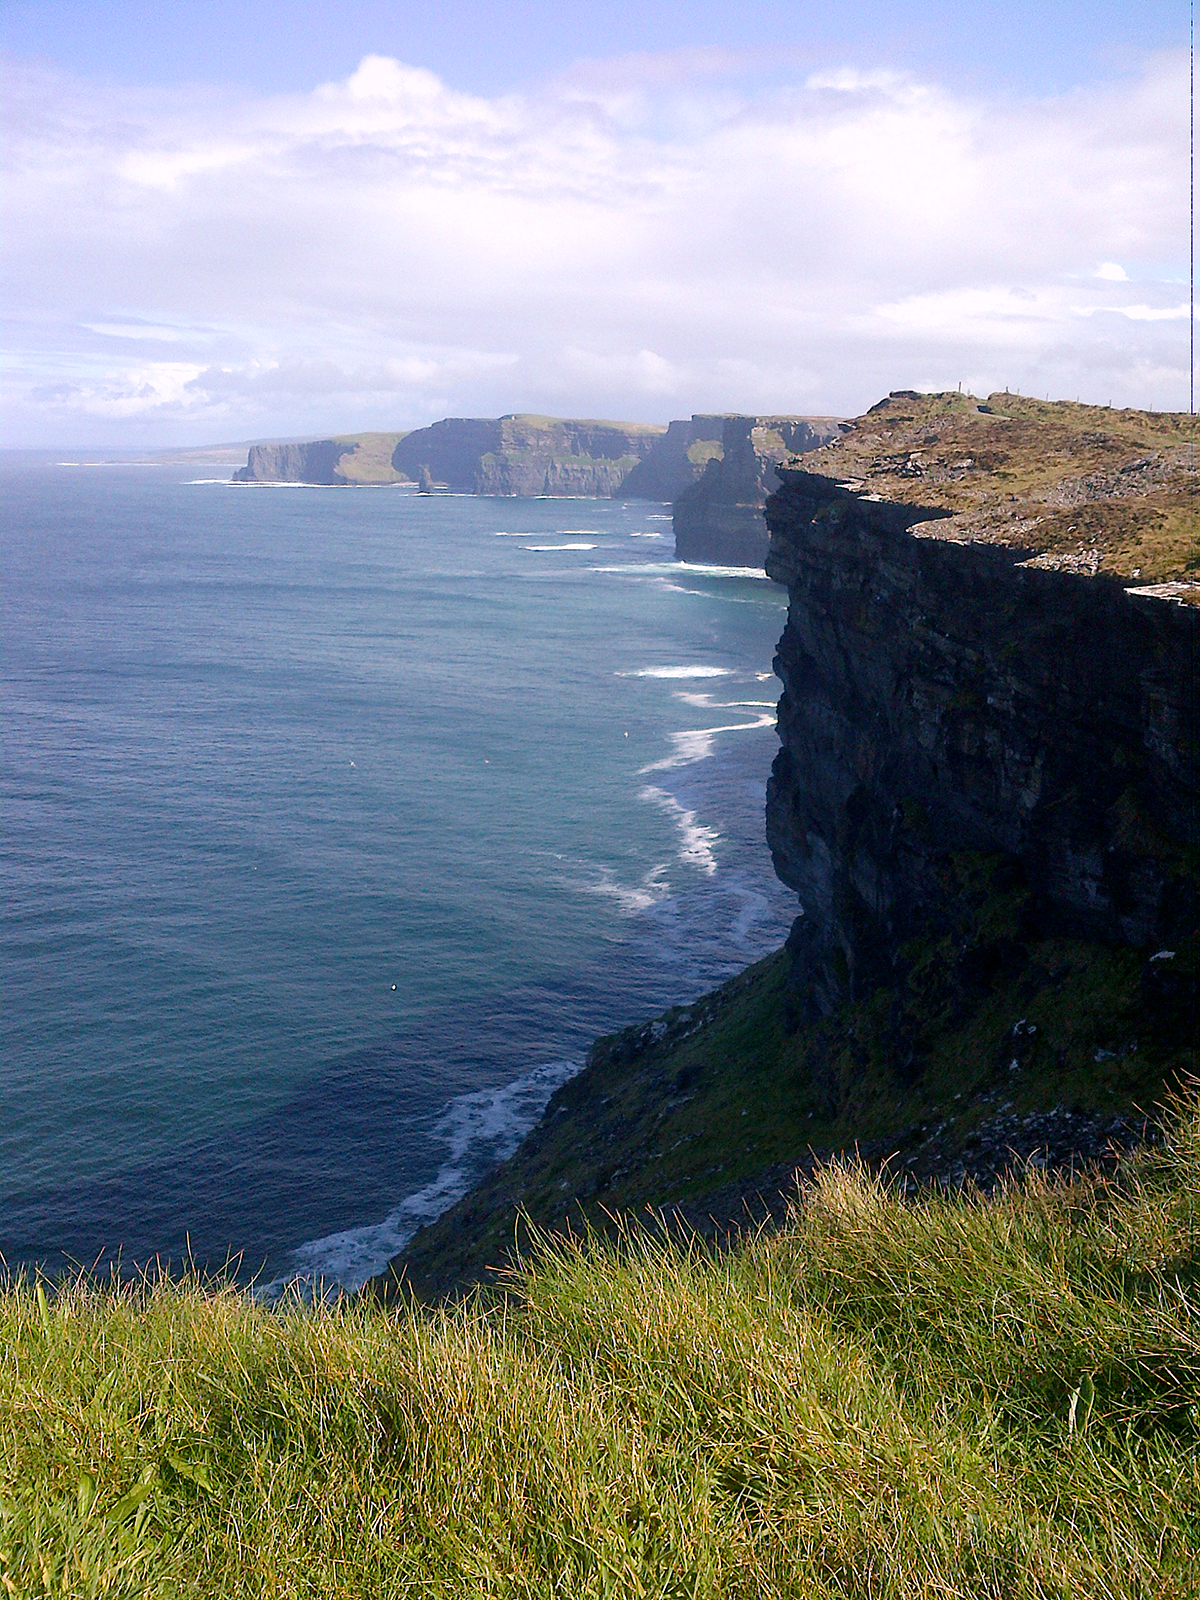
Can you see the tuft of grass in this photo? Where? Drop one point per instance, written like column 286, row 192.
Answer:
column 954, row 1396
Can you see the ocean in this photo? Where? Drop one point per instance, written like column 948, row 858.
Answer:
column 337, row 824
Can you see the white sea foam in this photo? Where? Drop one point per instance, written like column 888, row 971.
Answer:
column 479, row 1130
column 707, row 594
column 636, row 898
column 558, row 547
column 698, row 840
column 697, row 569
column 703, row 571
column 696, row 744
column 678, row 672
column 654, row 535
column 755, row 909
column 659, row 516
column 705, row 702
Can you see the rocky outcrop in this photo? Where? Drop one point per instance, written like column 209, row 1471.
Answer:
column 947, row 701
column 719, row 518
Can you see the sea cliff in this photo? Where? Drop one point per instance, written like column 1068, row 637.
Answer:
column 986, row 801
column 364, row 458
column 522, row 454
column 944, row 697
column 718, row 519
column 526, row 455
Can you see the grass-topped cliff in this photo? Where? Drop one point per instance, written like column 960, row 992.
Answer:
column 885, row 1400
column 347, row 458
column 960, row 1358
column 986, row 801
column 1081, row 488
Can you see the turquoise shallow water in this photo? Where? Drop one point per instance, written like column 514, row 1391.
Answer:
column 338, row 822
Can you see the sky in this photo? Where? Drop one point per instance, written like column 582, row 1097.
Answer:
column 277, row 219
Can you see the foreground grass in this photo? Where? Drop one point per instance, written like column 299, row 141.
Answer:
column 953, row 1397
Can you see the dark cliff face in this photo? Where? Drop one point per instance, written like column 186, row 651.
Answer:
column 448, row 452
column 719, row 518
column 316, row 462
column 676, row 460
column 943, row 701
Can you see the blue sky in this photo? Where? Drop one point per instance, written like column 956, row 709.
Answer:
column 1021, row 46
column 233, row 221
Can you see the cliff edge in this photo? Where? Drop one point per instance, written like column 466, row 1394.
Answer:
column 986, row 799
column 973, row 662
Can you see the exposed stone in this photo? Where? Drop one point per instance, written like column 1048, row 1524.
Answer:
column 942, row 697
column 719, row 519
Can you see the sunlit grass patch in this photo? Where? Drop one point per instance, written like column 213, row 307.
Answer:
column 950, row 1396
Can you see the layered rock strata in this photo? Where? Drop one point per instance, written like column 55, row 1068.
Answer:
column 986, row 801
column 950, row 691
column 527, row 455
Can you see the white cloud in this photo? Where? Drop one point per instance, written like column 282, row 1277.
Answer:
column 642, row 237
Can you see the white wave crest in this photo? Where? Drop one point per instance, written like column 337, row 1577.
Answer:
column 678, row 568
column 705, row 702
column 480, row 1130
column 696, row 744
column 679, row 672
column 698, row 840
column 558, row 547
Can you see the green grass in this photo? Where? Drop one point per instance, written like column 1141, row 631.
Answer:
column 1044, row 476
column 949, row 1397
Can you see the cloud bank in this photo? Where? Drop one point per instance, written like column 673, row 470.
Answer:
column 640, row 239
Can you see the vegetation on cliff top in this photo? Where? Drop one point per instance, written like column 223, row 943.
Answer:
column 956, row 1396
column 1079, row 487
column 369, row 459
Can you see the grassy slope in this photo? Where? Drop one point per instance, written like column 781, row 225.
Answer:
column 953, row 1397
column 1082, row 487
column 371, row 459
column 713, row 1096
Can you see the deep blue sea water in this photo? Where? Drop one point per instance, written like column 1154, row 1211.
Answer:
column 337, row 823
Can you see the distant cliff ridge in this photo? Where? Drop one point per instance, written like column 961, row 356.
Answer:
column 719, row 518
column 677, row 459
column 533, row 455
column 364, row 458
column 516, row 455
column 316, row 462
